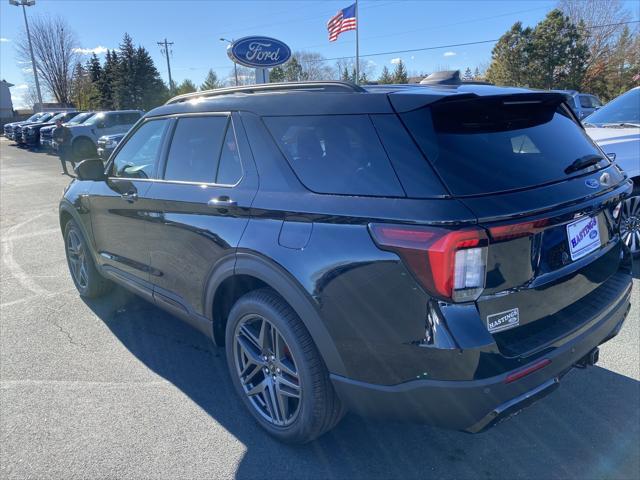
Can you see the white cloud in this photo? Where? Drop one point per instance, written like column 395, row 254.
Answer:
column 27, row 69
column 3, row 39
column 99, row 50
column 22, row 86
column 449, row 54
column 395, row 61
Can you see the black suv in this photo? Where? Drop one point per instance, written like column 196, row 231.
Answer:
column 427, row 253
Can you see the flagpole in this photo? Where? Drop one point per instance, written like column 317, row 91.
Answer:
column 357, row 46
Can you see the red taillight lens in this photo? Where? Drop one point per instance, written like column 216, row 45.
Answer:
column 517, row 230
column 450, row 264
column 534, row 367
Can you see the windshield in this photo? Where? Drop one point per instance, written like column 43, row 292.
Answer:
column 95, row 118
column 45, row 117
column 34, row 117
column 623, row 110
column 59, row 116
column 80, row 118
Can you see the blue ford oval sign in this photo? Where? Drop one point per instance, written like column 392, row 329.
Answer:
column 259, row 52
column 592, row 183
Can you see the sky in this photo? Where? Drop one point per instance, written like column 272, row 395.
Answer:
column 195, row 28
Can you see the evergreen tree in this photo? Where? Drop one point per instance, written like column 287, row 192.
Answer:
column 400, row 73
column 510, row 57
column 467, row 74
column 82, row 88
column 293, row 70
column 385, row 76
column 558, row 53
column 187, row 86
column 211, row 82
column 106, row 84
column 94, row 68
column 277, row 75
column 345, row 76
column 476, row 74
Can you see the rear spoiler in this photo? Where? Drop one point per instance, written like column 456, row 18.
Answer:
column 405, row 102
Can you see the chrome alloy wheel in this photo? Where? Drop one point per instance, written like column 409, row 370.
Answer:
column 266, row 370
column 630, row 223
column 77, row 259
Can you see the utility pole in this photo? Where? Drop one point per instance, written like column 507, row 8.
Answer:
column 34, row 66
column 165, row 49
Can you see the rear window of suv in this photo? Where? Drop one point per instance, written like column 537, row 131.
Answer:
column 336, row 154
column 487, row 145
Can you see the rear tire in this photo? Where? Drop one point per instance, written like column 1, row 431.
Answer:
column 85, row 276
column 630, row 221
column 287, row 387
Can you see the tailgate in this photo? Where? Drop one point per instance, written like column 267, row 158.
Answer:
column 554, row 268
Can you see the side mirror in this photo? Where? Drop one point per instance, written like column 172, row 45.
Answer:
column 91, row 169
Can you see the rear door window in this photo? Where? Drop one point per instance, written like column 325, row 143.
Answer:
column 336, row 154
column 484, row 146
column 195, row 149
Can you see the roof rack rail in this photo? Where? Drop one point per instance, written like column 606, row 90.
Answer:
column 326, row 86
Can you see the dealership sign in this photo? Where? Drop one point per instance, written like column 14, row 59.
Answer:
column 259, row 52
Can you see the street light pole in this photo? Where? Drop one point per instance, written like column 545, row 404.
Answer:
column 34, row 66
column 235, row 65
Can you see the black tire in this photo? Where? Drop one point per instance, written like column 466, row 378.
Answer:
column 90, row 283
column 318, row 409
column 84, row 148
column 630, row 221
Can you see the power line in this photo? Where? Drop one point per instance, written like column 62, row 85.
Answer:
column 165, row 49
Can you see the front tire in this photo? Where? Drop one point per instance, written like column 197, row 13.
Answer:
column 277, row 370
column 83, row 271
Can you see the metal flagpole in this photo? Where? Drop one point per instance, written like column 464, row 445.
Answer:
column 357, row 46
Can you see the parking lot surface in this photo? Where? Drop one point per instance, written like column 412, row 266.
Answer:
column 117, row 388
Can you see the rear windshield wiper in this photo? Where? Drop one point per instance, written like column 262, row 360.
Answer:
column 583, row 162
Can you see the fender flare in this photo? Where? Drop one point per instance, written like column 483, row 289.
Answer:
column 269, row 272
column 66, row 207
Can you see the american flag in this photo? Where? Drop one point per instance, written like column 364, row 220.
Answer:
column 343, row 21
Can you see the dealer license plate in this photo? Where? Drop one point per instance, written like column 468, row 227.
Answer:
column 583, row 236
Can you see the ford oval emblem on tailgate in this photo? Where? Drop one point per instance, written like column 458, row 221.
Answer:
column 592, row 183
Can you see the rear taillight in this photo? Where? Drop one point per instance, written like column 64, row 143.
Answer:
column 517, row 230
column 451, row 264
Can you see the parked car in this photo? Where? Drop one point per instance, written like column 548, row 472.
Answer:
column 31, row 132
column 616, row 128
column 582, row 104
column 9, row 127
column 46, row 133
column 443, row 255
column 84, row 137
column 107, row 144
column 18, row 129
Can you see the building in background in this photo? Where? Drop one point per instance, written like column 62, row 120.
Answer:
column 6, row 105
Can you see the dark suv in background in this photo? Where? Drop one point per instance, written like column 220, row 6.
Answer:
column 427, row 253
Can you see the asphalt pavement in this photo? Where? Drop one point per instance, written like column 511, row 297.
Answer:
column 117, row 388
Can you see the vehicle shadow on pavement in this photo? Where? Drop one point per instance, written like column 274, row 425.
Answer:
column 587, row 429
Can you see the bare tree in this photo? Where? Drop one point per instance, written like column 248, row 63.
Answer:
column 605, row 15
column 314, row 66
column 53, row 47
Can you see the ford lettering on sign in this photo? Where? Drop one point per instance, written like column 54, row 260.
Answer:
column 259, row 52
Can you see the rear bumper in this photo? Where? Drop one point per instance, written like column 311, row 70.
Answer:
column 475, row 405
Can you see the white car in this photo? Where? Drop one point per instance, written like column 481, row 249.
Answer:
column 84, row 137
column 616, row 129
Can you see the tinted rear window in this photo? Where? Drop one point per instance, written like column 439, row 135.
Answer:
column 338, row 154
column 483, row 146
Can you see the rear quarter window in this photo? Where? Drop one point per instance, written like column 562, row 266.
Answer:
column 336, row 154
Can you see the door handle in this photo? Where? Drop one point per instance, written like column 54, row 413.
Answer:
column 130, row 196
column 222, row 201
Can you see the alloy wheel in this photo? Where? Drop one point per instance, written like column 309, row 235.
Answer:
column 266, row 370
column 77, row 259
column 630, row 223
